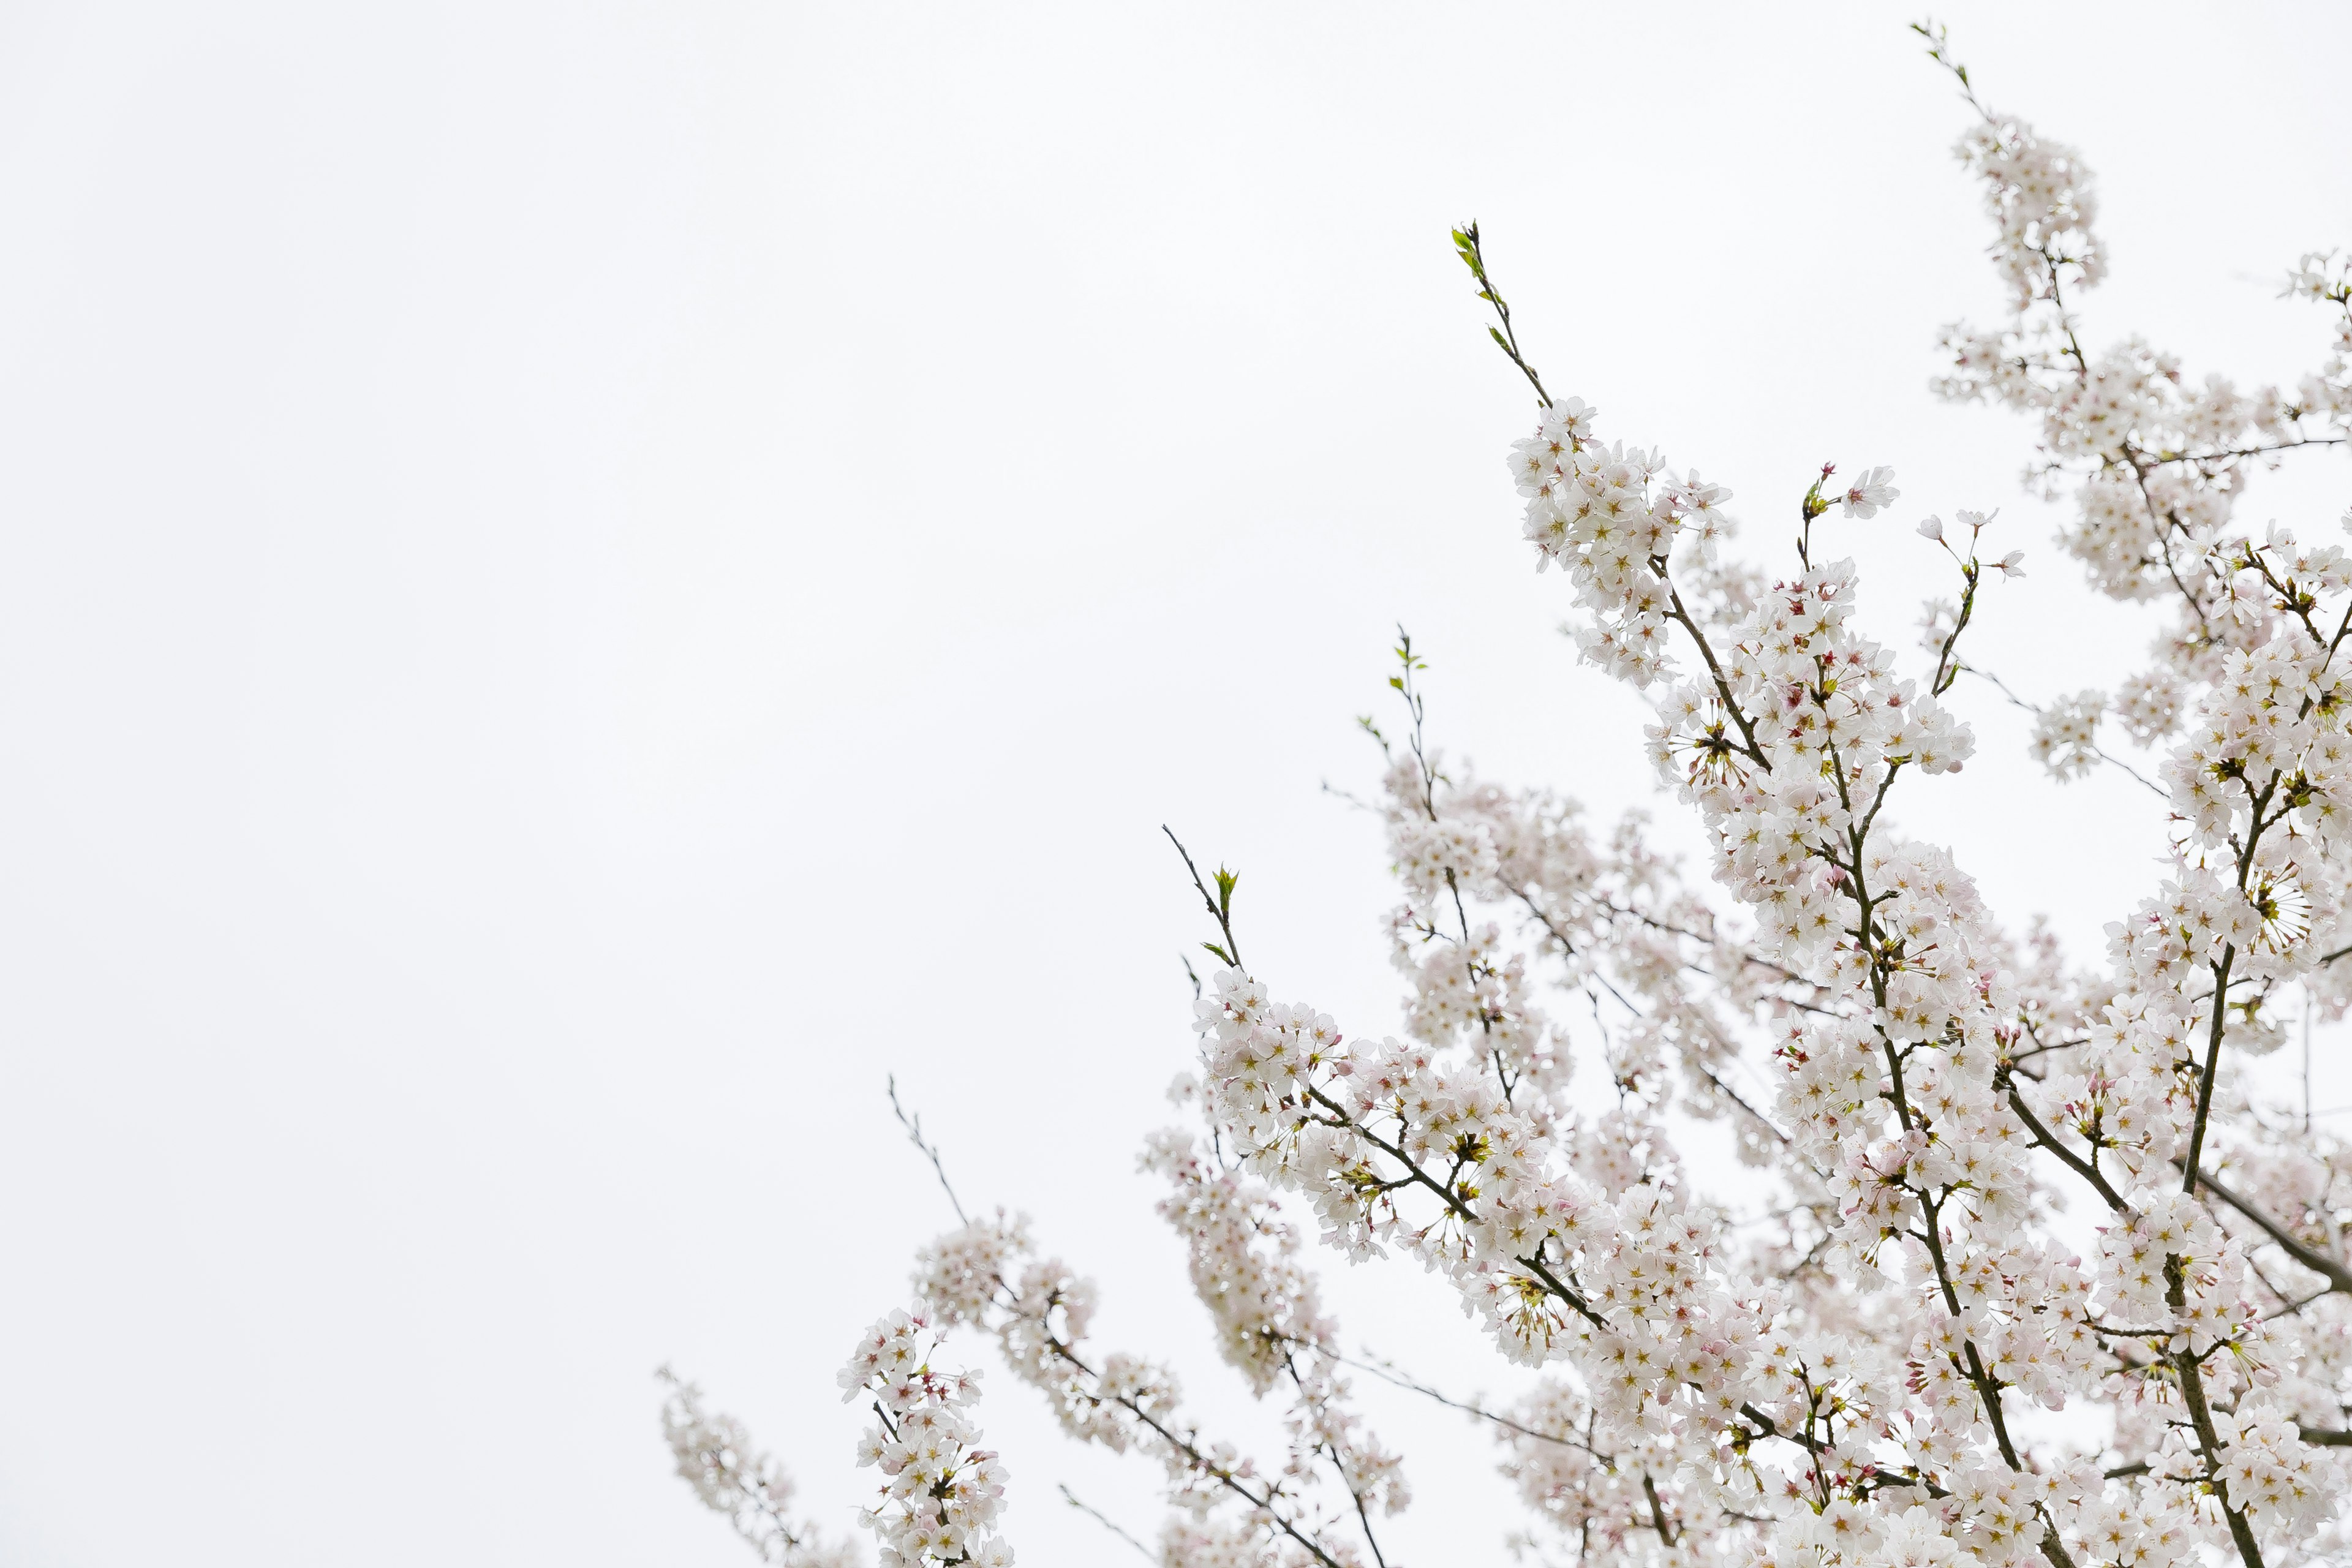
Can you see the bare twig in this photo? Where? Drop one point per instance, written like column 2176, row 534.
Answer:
column 1106, row 1521
column 914, row 1126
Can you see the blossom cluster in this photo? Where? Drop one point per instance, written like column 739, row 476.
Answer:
column 2156, row 462
column 2039, row 196
column 1242, row 1258
column 942, row 1491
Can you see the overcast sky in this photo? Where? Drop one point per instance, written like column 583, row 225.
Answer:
column 583, row 582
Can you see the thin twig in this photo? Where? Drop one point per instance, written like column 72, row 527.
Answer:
column 914, row 1126
column 1106, row 1521
column 1466, row 246
column 1387, row 1373
column 2096, row 750
column 1221, row 910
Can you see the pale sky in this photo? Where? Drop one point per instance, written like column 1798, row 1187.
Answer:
column 582, row 582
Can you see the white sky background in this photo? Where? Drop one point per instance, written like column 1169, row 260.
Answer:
column 580, row 583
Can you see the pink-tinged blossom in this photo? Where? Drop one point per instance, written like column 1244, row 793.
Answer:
column 1871, row 493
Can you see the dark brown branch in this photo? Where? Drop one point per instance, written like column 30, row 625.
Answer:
column 2045, row 1139
column 2201, row 1416
column 1666, row 1531
column 2337, row 1276
column 1416, row 1176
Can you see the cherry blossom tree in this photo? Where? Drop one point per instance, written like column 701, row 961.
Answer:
column 2038, row 1274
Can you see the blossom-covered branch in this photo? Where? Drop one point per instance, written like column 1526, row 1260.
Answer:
column 1984, row 1182
column 717, row 1457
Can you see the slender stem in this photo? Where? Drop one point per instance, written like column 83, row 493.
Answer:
column 1679, row 613
column 1391, row 1376
column 1221, row 912
column 2045, row 1138
column 1947, row 668
column 914, row 1126
column 1466, row 244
